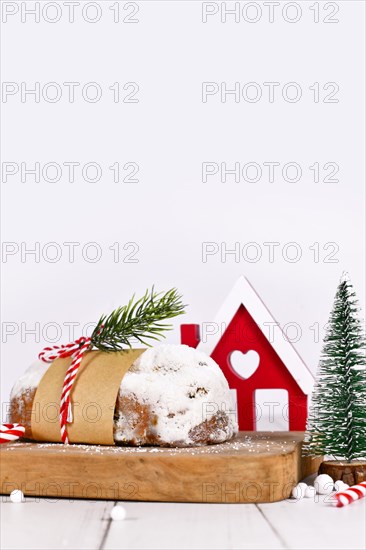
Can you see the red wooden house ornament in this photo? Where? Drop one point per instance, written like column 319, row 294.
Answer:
column 254, row 354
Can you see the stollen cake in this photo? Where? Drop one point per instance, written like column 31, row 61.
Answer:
column 172, row 395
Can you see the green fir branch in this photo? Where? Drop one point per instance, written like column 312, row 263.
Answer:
column 140, row 320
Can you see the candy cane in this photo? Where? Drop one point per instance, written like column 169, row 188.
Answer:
column 75, row 350
column 349, row 495
column 11, row 432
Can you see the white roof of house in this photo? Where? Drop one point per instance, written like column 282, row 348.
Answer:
column 243, row 293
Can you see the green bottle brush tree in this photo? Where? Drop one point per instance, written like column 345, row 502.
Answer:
column 337, row 419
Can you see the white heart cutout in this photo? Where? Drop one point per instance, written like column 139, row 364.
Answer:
column 244, row 364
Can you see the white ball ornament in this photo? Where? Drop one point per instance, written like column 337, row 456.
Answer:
column 323, row 484
column 310, row 492
column 338, row 485
column 118, row 513
column 17, row 496
column 299, row 491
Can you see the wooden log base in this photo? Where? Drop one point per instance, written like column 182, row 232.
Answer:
column 349, row 472
column 252, row 467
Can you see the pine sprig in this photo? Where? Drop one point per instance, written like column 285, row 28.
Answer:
column 139, row 320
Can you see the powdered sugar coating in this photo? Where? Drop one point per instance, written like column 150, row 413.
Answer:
column 30, row 379
column 182, row 388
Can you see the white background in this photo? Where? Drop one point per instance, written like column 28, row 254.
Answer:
column 169, row 133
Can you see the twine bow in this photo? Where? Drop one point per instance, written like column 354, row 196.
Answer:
column 75, row 350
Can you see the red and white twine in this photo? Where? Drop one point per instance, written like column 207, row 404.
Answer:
column 75, row 350
column 352, row 493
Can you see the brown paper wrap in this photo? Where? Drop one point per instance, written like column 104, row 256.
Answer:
column 93, row 397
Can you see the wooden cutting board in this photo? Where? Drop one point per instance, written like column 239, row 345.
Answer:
column 253, row 467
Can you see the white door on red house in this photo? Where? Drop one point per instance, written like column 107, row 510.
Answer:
column 271, row 410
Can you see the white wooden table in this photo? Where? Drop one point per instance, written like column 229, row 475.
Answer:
column 62, row 524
